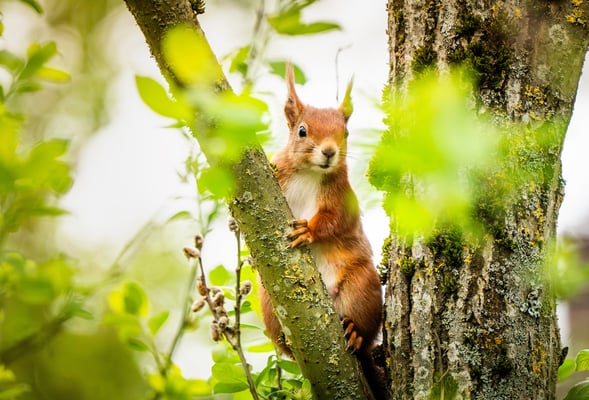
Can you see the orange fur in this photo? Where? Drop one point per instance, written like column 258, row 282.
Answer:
column 313, row 174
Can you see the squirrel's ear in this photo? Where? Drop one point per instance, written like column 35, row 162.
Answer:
column 293, row 107
column 346, row 107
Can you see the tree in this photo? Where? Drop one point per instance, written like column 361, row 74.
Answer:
column 483, row 325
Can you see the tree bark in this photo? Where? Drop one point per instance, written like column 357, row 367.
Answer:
column 290, row 276
column 478, row 320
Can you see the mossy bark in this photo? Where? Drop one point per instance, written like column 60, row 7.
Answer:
column 478, row 320
column 290, row 276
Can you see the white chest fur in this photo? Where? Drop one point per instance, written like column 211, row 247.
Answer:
column 301, row 194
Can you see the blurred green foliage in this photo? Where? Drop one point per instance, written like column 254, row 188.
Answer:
column 433, row 141
column 39, row 296
column 580, row 390
column 114, row 334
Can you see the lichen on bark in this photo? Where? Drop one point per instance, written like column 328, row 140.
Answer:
column 473, row 316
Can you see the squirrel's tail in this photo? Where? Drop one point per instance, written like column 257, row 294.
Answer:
column 374, row 374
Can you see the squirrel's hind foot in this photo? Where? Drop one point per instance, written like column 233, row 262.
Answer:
column 354, row 339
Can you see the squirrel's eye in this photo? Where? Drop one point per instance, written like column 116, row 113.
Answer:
column 302, row 131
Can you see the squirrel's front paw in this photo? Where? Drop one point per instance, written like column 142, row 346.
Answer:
column 351, row 334
column 301, row 233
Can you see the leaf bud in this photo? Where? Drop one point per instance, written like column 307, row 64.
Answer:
column 223, row 322
column 191, row 253
column 218, row 299
column 198, row 241
column 246, row 288
column 215, row 332
column 198, row 305
column 232, row 223
column 200, row 285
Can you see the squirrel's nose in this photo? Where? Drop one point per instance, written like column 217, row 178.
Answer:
column 328, row 152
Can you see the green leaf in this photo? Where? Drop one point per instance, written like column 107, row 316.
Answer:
column 315, row 27
column 566, row 369
column 290, row 366
column 246, row 307
column 579, row 392
column 34, row 5
column 223, row 353
column 217, row 180
column 219, row 276
column 289, row 23
column 198, row 387
column 156, row 322
column 137, row 345
column 14, row 391
column 6, row 375
column 11, row 61
column 38, row 54
column 306, row 390
column 230, row 378
column 82, row 313
column 261, row 348
column 127, row 326
column 279, row 68
column 190, row 57
column 36, row 291
column 156, row 97
column 181, row 215
column 239, row 60
column 43, row 169
column 26, row 86
column 224, row 387
column 52, row 75
column 130, row 299
column 582, row 360
column 136, row 302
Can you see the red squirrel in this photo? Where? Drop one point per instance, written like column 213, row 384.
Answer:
column 313, row 175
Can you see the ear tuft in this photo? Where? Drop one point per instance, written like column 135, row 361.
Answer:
column 293, row 108
column 346, row 107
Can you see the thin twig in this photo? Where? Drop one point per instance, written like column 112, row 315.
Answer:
column 236, row 343
column 337, row 53
column 258, row 42
column 185, row 320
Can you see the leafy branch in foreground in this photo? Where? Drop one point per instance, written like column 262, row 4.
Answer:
column 569, row 366
column 215, row 299
column 235, row 375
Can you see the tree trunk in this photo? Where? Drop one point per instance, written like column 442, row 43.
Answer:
column 479, row 320
column 289, row 275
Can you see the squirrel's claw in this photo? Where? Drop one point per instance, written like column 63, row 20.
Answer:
column 300, row 238
column 298, row 223
column 301, row 234
column 352, row 336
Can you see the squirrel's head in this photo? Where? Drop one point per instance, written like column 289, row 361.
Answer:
column 317, row 136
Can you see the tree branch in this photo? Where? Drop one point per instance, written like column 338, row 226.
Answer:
column 290, row 276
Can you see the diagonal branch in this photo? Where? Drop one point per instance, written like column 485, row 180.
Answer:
column 290, row 276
